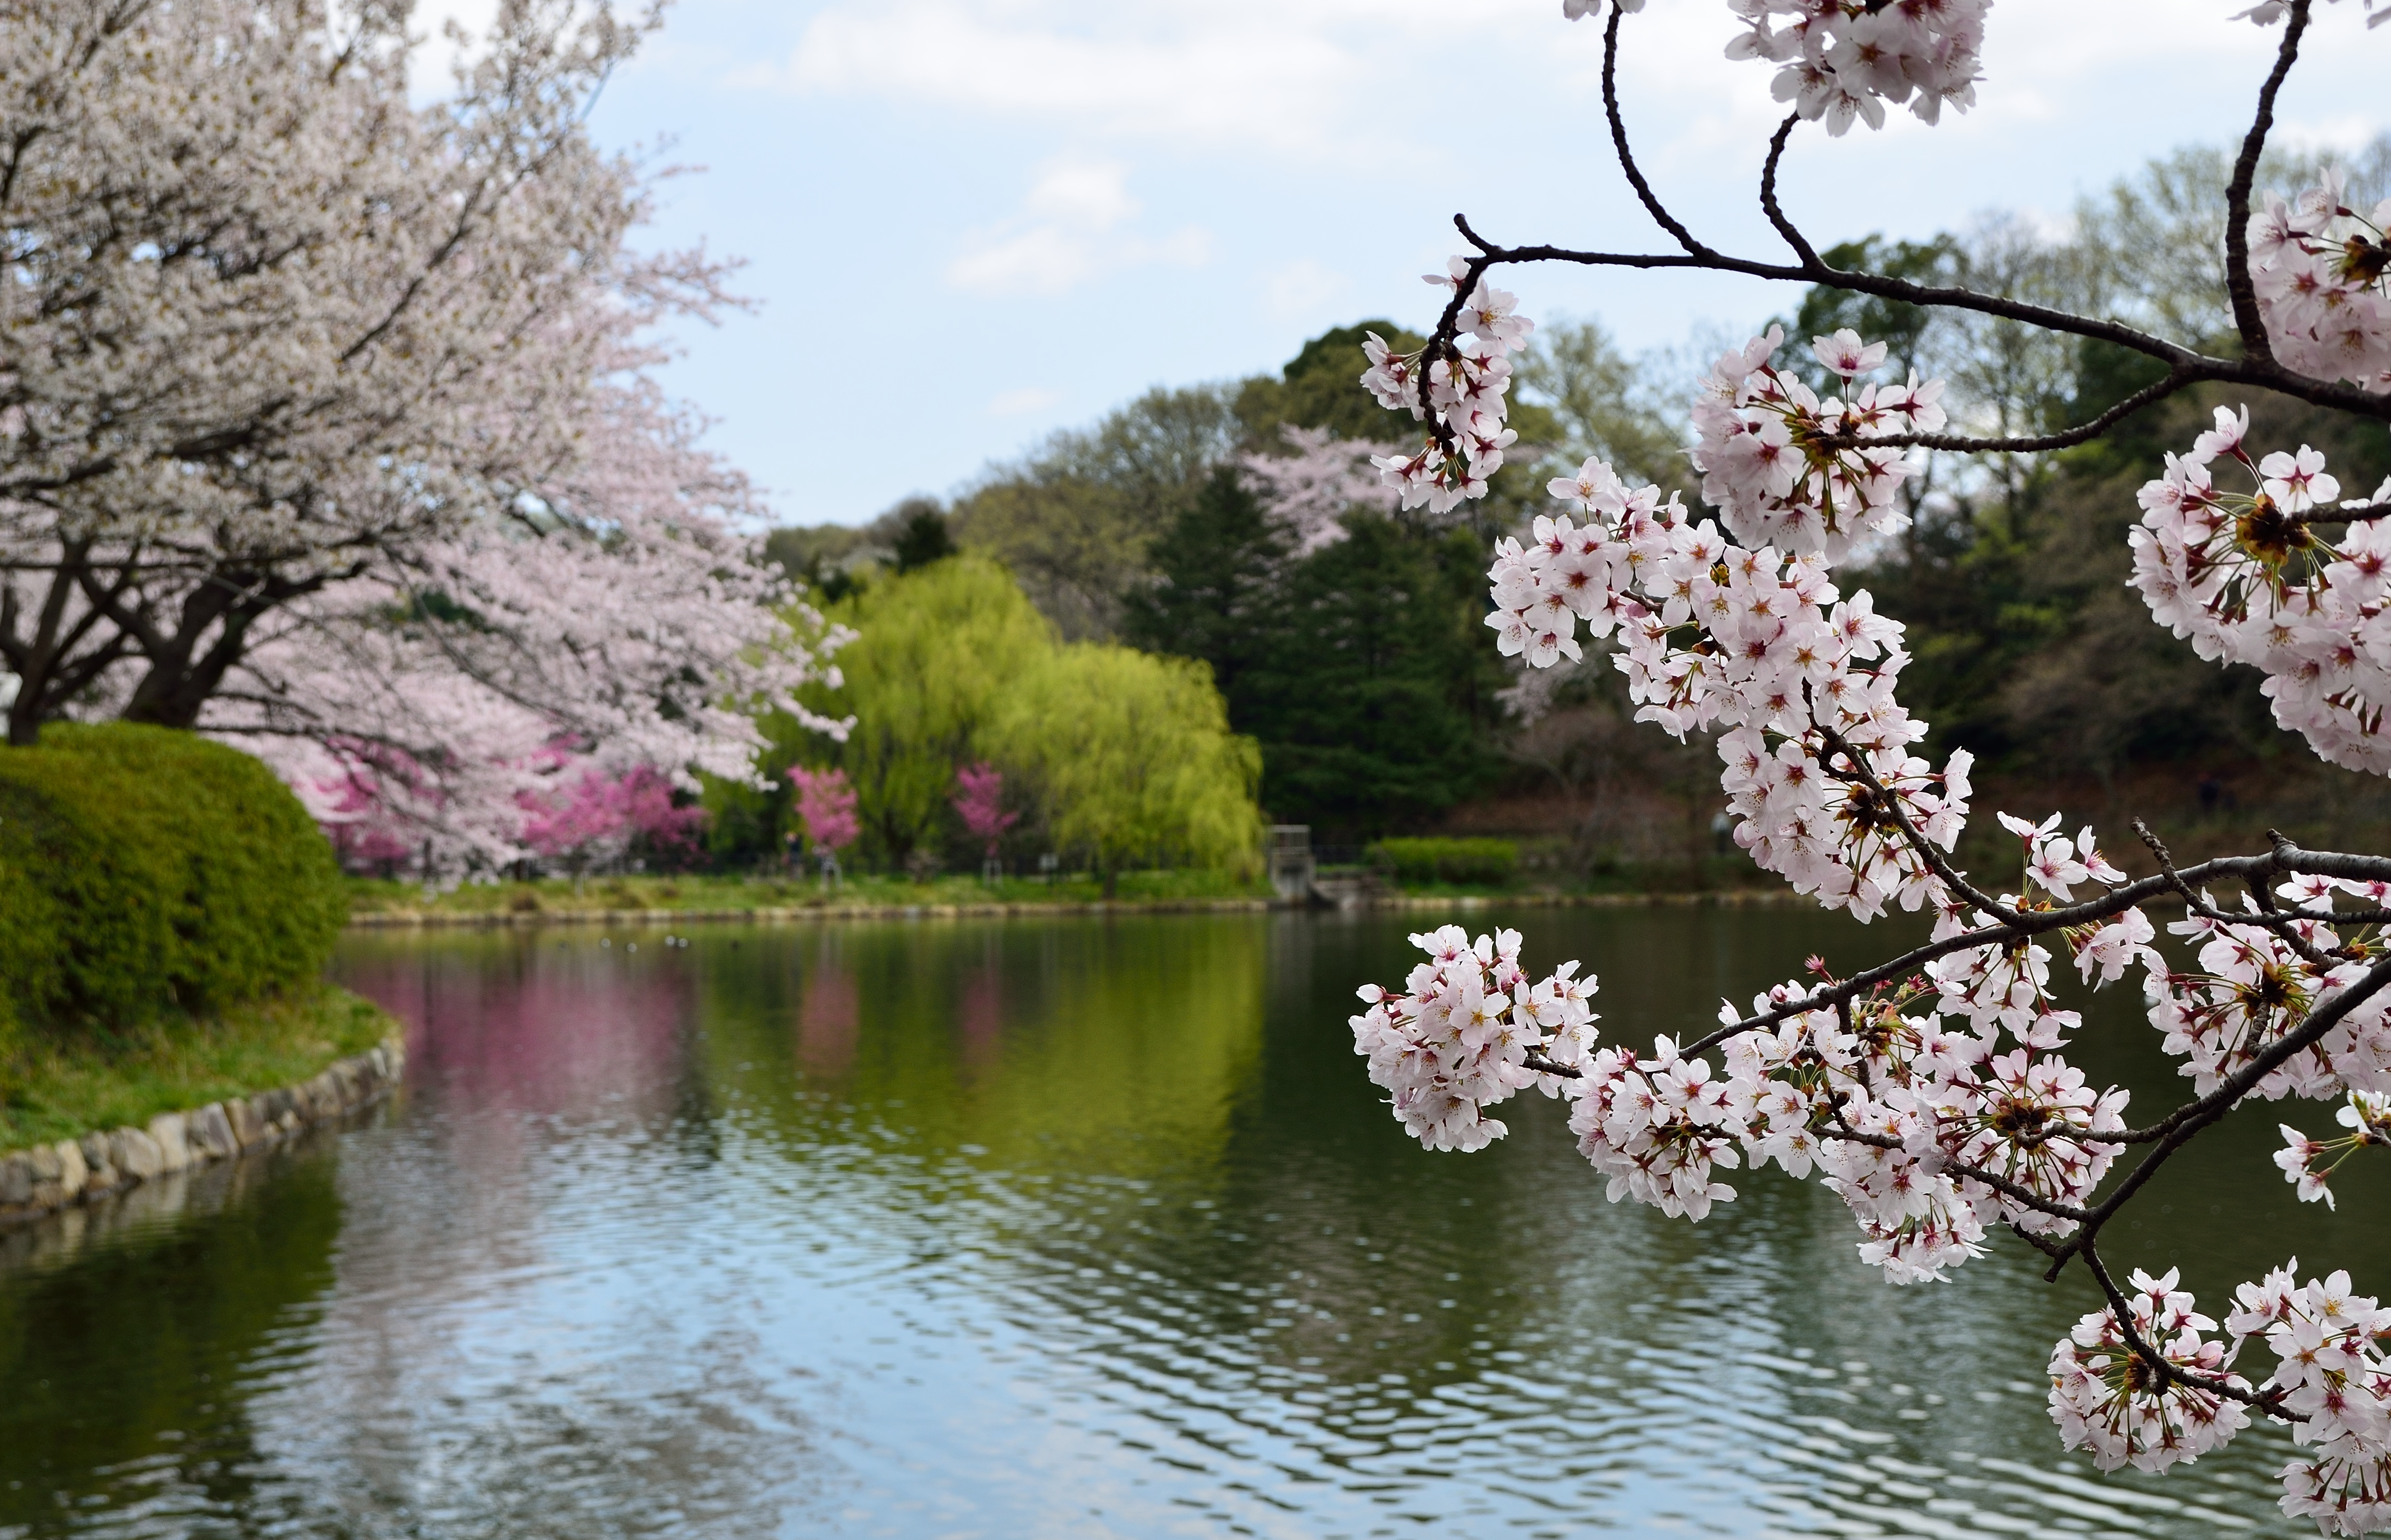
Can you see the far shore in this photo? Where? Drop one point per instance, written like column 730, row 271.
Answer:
column 400, row 919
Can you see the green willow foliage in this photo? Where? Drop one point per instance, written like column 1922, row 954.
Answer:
column 1133, row 758
column 1123, row 757
column 146, row 870
column 935, row 648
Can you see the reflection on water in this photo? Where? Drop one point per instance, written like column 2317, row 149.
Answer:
column 1072, row 1228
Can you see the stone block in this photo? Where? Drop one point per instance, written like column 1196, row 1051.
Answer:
column 136, row 1153
column 74, row 1172
column 323, row 1097
column 16, row 1181
column 211, row 1132
column 345, row 1083
column 172, row 1139
column 95, row 1150
column 249, row 1129
column 43, row 1159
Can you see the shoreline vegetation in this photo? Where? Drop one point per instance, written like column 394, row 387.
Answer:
column 377, row 904
column 58, row 1086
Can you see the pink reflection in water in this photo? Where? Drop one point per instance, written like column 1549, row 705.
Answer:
column 980, row 1016
column 559, row 1028
column 828, row 1013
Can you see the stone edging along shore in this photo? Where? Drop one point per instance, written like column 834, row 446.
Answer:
column 407, row 919
column 49, row 1177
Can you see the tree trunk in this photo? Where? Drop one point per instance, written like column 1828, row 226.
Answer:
column 1112, row 882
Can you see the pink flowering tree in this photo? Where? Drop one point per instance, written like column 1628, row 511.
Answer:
column 1320, row 479
column 1931, row 1091
column 600, row 818
column 826, row 807
column 980, row 801
column 339, row 439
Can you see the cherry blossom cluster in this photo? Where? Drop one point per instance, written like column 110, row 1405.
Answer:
column 2322, row 272
column 1658, row 1127
column 1846, row 60
column 1928, row 1135
column 1909, row 1119
column 2165, row 1394
column 2252, row 989
column 2330, row 1373
column 1469, row 385
column 1714, row 635
column 2109, row 1398
column 2248, row 578
column 1459, row 1037
column 1790, row 470
column 2309, row 1163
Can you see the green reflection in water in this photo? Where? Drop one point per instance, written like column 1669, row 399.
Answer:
column 128, row 1366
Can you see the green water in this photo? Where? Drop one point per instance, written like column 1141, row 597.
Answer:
column 1073, row 1228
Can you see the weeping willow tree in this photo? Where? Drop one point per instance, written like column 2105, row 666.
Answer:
column 1131, row 758
column 936, row 648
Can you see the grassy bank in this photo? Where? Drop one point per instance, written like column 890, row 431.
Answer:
column 715, row 897
column 667, row 894
column 56, row 1086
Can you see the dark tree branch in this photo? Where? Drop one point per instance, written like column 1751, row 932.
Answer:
column 2121, row 1309
column 2239, row 285
column 1793, row 238
column 1651, row 199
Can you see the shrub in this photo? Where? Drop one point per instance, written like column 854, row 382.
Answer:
column 1457, row 861
column 144, row 870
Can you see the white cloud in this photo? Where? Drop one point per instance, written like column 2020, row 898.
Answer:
column 1304, row 288
column 1372, row 81
column 1068, row 235
column 1093, row 195
column 1023, row 401
column 1285, row 73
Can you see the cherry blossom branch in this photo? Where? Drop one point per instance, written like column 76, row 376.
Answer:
column 2334, row 513
column 1952, row 877
column 2017, row 923
column 2283, row 926
column 1998, row 1183
column 2186, row 367
column 2256, row 365
column 2176, row 1128
column 2238, row 286
column 2121, row 1310
column 1793, row 238
column 1651, row 201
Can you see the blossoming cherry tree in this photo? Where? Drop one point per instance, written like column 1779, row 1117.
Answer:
column 826, row 810
column 979, row 802
column 1932, row 1092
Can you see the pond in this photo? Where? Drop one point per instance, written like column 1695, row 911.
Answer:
column 1054, row 1228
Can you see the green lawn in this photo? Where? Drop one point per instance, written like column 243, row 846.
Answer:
column 59, row 1085
column 667, row 894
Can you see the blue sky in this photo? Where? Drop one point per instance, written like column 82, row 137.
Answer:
column 969, row 222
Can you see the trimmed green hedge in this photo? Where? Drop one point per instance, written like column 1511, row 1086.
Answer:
column 1484, row 861
column 144, row 870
